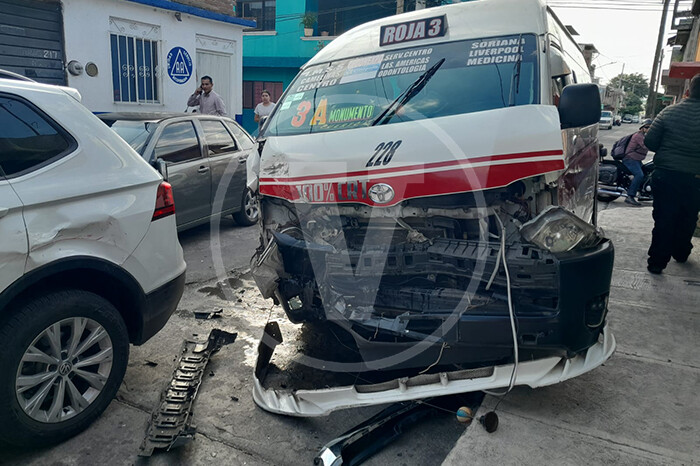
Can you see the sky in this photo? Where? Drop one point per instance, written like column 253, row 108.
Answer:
column 623, row 31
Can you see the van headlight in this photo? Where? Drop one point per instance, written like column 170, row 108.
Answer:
column 558, row 230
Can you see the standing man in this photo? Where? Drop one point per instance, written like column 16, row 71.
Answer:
column 210, row 103
column 635, row 153
column 264, row 108
column 675, row 137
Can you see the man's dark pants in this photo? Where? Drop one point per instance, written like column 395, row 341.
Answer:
column 676, row 206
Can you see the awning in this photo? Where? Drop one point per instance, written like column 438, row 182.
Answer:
column 684, row 69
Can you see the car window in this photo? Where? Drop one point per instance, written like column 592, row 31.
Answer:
column 217, row 138
column 136, row 133
column 178, row 143
column 27, row 138
column 243, row 138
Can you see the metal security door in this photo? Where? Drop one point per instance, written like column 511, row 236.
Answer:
column 218, row 66
column 31, row 39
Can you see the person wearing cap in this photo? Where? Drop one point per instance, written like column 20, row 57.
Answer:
column 635, row 153
column 674, row 136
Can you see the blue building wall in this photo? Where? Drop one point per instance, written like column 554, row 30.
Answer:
column 278, row 55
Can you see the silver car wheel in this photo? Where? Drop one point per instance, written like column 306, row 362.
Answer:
column 250, row 206
column 64, row 370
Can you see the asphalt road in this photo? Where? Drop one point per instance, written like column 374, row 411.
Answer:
column 607, row 137
column 231, row 429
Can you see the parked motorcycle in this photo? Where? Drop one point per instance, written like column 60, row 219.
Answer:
column 614, row 179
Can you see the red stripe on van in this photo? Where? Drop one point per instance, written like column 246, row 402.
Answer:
column 426, row 166
column 458, row 180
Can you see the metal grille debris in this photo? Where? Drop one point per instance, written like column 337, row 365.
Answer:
column 171, row 423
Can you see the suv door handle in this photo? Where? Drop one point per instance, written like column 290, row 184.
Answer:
column 242, row 159
column 203, row 169
column 3, row 211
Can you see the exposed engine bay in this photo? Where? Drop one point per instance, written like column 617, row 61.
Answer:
column 429, row 270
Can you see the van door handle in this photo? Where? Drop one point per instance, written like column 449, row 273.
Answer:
column 203, row 169
column 3, row 211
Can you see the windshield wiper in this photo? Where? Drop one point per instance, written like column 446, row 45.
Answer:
column 515, row 78
column 408, row 94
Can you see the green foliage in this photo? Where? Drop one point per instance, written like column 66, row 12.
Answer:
column 634, row 83
column 633, row 105
column 308, row 19
column 636, row 91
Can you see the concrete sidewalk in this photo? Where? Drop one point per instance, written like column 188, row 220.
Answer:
column 643, row 405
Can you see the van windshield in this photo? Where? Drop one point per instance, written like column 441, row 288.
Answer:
column 476, row 75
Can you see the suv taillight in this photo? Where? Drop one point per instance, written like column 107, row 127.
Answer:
column 165, row 205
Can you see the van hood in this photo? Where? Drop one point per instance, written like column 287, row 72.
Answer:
column 430, row 157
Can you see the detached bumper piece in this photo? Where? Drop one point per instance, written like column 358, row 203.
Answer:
column 311, row 403
column 366, row 439
column 171, row 423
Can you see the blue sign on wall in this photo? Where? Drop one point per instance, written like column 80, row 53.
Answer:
column 179, row 65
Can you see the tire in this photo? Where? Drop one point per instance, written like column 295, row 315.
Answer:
column 24, row 377
column 249, row 213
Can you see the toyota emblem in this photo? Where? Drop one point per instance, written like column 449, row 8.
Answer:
column 381, row 193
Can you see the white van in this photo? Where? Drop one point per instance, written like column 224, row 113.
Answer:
column 427, row 184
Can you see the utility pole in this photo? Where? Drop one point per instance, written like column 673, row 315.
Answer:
column 651, row 100
column 658, row 80
column 399, row 7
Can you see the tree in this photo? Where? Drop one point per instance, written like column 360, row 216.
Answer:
column 636, row 91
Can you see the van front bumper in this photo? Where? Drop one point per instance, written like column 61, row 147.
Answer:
column 560, row 301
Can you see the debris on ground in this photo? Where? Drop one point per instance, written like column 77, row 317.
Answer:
column 171, row 425
column 207, row 315
column 361, row 442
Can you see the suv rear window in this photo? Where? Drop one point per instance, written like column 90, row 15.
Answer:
column 27, row 138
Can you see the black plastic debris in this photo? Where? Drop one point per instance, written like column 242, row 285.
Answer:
column 207, row 315
column 171, row 423
column 272, row 336
column 361, row 442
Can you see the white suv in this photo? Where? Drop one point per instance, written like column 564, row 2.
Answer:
column 89, row 261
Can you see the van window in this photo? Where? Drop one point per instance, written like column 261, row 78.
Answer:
column 476, row 75
column 27, row 139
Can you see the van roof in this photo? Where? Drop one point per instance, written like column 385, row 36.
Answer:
column 468, row 20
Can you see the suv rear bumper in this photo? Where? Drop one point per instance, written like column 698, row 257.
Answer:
column 158, row 306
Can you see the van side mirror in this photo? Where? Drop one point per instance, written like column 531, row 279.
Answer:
column 579, row 105
column 162, row 167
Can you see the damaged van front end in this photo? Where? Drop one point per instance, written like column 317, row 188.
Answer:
column 447, row 227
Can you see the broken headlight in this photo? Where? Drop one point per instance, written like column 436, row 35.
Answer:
column 558, row 230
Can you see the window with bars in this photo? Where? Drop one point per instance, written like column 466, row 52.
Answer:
column 262, row 11
column 135, row 69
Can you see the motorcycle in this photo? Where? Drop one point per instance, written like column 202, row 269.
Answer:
column 614, row 179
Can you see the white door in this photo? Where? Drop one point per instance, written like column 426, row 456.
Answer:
column 218, row 66
column 13, row 245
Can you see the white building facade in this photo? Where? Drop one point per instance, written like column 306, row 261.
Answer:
column 149, row 55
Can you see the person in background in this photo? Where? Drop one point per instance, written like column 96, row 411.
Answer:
column 210, row 103
column 675, row 183
column 635, row 153
column 264, row 108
